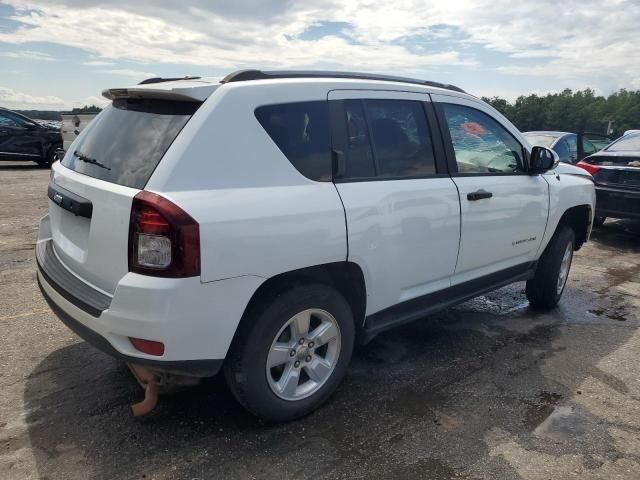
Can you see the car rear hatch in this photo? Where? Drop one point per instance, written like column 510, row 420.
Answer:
column 92, row 189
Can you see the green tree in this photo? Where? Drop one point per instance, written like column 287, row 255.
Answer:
column 572, row 111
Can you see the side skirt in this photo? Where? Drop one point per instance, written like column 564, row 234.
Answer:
column 420, row 307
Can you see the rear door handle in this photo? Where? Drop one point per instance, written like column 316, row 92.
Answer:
column 478, row 195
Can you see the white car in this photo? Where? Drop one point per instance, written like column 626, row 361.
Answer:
column 262, row 223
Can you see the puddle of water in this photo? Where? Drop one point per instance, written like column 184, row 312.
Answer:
column 538, row 411
column 563, row 423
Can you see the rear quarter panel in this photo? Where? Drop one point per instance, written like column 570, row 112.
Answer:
column 257, row 214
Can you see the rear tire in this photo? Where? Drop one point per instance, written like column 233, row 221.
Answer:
column 261, row 369
column 545, row 288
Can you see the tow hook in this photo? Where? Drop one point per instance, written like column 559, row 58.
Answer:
column 149, row 383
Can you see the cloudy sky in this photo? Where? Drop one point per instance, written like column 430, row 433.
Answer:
column 62, row 53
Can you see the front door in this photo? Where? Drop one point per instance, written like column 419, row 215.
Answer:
column 504, row 210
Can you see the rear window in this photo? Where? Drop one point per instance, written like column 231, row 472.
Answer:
column 301, row 132
column 628, row 143
column 540, row 140
column 127, row 140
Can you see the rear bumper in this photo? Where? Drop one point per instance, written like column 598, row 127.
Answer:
column 198, row 368
column 195, row 321
column 617, row 203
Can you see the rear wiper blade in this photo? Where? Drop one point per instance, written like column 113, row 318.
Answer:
column 92, row 161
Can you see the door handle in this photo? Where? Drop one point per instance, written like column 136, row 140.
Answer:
column 478, row 195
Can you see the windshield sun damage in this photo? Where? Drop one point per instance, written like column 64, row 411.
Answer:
column 127, row 140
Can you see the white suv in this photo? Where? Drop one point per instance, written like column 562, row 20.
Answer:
column 265, row 222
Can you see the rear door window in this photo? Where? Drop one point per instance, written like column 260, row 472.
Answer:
column 359, row 152
column 387, row 139
column 301, row 132
column 127, row 140
column 401, row 141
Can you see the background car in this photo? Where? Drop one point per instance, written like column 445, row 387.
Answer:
column 616, row 174
column 565, row 144
column 24, row 139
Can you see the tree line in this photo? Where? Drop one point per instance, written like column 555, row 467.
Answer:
column 573, row 111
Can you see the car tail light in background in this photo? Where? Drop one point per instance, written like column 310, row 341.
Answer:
column 592, row 169
column 164, row 241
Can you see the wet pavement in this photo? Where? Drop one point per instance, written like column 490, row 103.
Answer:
column 489, row 389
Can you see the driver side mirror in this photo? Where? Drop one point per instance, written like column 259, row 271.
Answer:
column 542, row 160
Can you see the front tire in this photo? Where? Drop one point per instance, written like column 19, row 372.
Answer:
column 48, row 159
column 291, row 353
column 545, row 288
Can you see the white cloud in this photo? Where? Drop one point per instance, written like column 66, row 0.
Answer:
column 574, row 43
column 11, row 99
column 92, row 100
column 29, row 55
column 97, row 63
column 196, row 36
column 134, row 74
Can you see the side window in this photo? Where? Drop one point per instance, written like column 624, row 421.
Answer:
column 387, row 138
column 572, row 145
column 562, row 150
column 359, row 154
column 401, row 141
column 7, row 121
column 480, row 143
column 301, row 132
column 588, row 148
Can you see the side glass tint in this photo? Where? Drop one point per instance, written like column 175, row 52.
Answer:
column 359, row 155
column 401, row 140
column 480, row 143
column 301, row 132
column 6, row 121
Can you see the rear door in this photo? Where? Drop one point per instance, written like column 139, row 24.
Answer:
column 105, row 167
column 402, row 208
column 504, row 209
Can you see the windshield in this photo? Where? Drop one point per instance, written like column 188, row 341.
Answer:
column 628, row 143
column 127, row 140
column 537, row 140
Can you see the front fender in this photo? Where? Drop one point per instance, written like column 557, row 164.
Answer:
column 567, row 190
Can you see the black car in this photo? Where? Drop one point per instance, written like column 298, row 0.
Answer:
column 616, row 173
column 23, row 139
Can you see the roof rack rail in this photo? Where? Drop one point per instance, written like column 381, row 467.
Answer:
column 243, row 75
column 161, row 80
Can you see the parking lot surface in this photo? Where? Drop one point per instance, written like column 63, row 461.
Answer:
column 486, row 390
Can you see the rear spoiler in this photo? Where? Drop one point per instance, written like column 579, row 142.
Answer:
column 182, row 90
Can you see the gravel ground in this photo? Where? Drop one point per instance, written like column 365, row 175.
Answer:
column 486, row 390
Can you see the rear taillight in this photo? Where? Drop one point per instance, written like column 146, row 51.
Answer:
column 164, row 240
column 592, row 169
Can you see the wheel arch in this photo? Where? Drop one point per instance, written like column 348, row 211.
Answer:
column 580, row 219
column 346, row 277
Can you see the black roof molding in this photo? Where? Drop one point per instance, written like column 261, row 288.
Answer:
column 244, row 75
column 161, row 80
